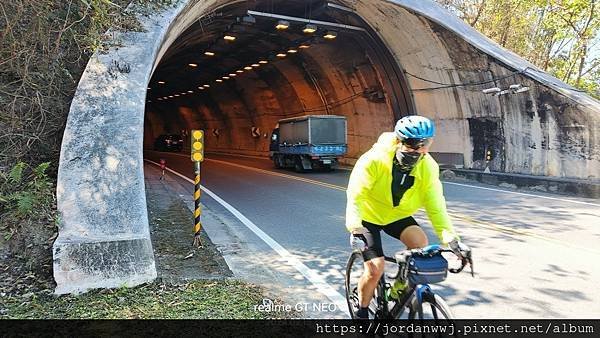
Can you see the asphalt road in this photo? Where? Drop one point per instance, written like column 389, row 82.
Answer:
column 536, row 255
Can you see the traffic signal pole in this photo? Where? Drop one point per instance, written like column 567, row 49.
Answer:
column 197, row 156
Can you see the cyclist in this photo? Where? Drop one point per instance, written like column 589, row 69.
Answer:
column 388, row 184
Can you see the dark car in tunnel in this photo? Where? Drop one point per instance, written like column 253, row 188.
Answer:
column 169, row 142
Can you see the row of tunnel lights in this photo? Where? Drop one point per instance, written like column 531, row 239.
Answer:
column 281, row 25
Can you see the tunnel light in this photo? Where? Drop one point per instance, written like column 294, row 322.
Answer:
column 248, row 68
column 281, row 55
column 161, row 82
column 282, row 25
column 239, row 71
column 149, row 88
column 304, row 46
column 292, row 51
column 193, row 65
column 309, row 28
column 229, row 37
column 201, row 88
column 226, row 77
column 219, row 80
column 330, row 35
column 206, row 86
column 255, row 65
column 176, row 95
column 208, row 53
column 171, row 96
column 263, row 62
column 190, row 91
column 233, row 74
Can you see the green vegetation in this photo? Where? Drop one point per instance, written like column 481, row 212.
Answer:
column 27, row 225
column 558, row 36
column 44, row 48
column 222, row 299
column 26, row 194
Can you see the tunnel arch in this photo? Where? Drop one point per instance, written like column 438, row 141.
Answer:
column 419, row 55
column 313, row 84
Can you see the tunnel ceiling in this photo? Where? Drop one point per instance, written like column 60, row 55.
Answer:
column 185, row 68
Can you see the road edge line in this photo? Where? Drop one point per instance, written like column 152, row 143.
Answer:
column 311, row 275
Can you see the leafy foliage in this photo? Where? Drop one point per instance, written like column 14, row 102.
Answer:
column 25, row 195
column 558, row 36
column 44, row 47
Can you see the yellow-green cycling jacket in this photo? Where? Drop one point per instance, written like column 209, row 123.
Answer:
column 370, row 197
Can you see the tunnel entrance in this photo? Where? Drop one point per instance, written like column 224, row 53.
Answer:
column 239, row 69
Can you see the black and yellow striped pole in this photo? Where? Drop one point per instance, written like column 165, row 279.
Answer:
column 197, row 145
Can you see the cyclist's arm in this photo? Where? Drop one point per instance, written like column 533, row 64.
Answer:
column 361, row 181
column 435, row 206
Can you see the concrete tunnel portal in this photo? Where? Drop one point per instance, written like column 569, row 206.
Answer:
column 322, row 60
column 389, row 58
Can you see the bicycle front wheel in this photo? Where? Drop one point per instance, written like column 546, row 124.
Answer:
column 354, row 271
column 432, row 311
column 432, row 306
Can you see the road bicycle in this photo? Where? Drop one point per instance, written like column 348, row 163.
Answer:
column 417, row 268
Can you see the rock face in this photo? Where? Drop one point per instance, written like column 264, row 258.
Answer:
column 439, row 68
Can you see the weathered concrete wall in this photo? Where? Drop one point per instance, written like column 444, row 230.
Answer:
column 549, row 130
column 103, row 238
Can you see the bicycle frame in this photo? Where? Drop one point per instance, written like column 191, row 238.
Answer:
column 422, row 292
column 412, row 290
column 406, row 298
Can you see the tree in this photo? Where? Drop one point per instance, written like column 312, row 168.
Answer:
column 558, row 36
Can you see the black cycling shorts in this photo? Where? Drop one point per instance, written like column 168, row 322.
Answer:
column 373, row 235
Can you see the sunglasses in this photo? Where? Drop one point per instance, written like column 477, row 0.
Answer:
column 416, row 143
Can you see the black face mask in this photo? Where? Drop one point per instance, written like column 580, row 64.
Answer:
column 407, row 160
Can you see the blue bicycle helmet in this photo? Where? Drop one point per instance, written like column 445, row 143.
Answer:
column 414, row 127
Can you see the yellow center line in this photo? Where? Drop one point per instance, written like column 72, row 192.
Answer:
column 454, row 215
column 517, row 232
column 272, row 173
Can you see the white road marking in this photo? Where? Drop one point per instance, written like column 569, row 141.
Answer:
column 273, row 173
column 486, row 225
column 317, row 280
column 460, row 184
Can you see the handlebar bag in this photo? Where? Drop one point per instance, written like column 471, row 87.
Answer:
column 427, row 269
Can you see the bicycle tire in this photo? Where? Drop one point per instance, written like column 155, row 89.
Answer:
column 437, row 305
column 376, row 310
column 435, row 302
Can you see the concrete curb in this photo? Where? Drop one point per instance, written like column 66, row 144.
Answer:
column 590, row 189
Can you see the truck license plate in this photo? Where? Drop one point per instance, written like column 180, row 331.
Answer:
column 326, row 161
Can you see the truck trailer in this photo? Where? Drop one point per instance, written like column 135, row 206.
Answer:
column 309, row 142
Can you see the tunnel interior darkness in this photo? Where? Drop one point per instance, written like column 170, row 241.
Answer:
column 233, row 70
